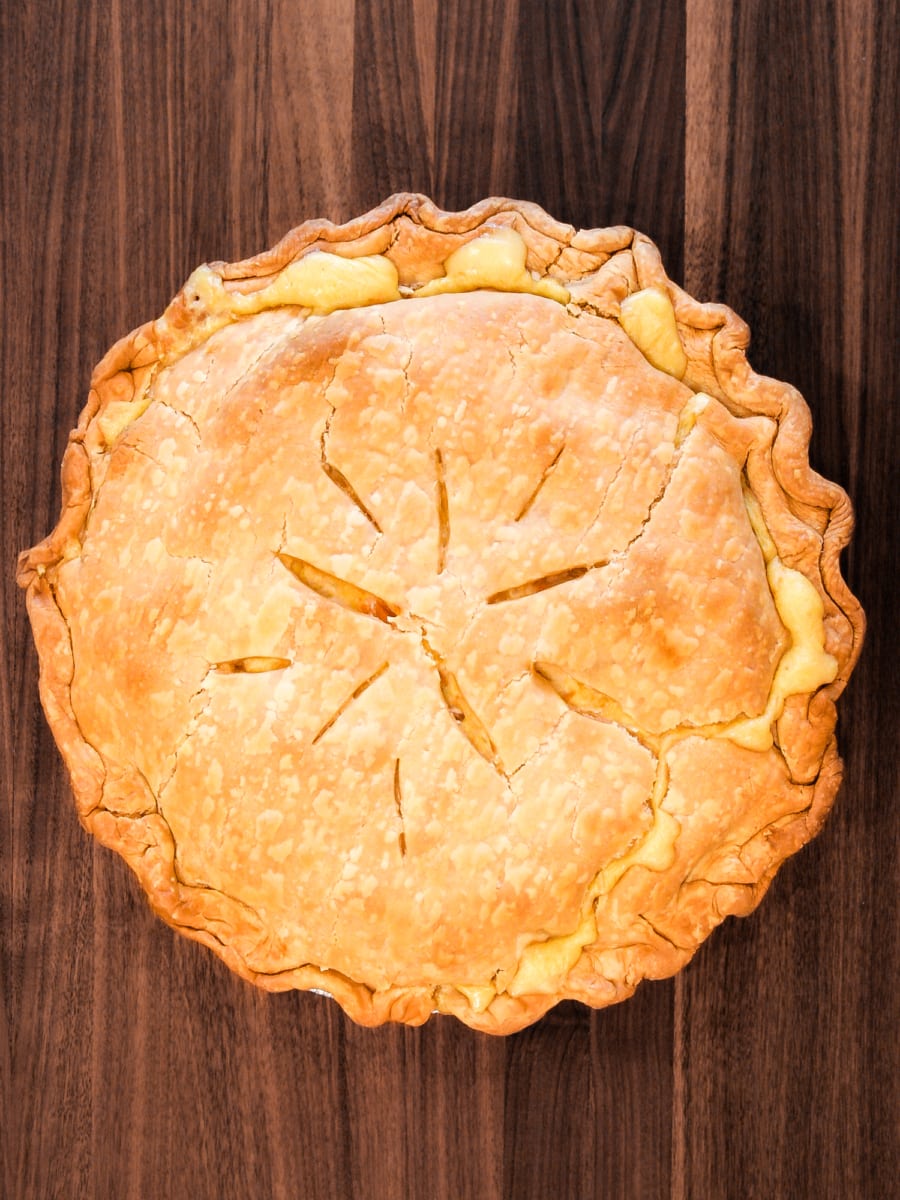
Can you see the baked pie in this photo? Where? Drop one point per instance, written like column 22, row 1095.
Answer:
column 444, row 616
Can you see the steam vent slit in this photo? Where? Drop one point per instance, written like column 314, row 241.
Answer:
column 354, row 695
column 340, row 480
column 398, row 801
column 251, row 664
column 589, row 702
column 341, row 591
column 443, row 509
column 541, row 584
column 545, row 475
column 470, row 723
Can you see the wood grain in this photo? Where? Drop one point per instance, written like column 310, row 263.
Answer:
column 782, row 223
column 755, row 141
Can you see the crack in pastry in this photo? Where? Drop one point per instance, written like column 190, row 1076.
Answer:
column 192, row 726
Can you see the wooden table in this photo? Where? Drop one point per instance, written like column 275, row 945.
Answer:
column 756, row 142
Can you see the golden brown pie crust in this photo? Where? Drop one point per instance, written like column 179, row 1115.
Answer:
column 420, row 651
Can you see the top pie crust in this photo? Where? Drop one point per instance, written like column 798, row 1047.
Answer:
column 440, row 634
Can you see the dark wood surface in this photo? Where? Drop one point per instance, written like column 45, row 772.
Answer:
column 756, row 142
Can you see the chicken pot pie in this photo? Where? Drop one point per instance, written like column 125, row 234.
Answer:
column 444, row 616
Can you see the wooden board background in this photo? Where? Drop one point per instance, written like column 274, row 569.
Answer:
column 755, row 140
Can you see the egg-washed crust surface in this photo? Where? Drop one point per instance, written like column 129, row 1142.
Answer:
column 409, row 601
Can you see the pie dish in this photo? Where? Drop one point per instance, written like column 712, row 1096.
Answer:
column 443, row 615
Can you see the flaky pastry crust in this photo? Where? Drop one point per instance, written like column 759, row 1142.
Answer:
column 433, row 638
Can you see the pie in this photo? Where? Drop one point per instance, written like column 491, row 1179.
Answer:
column 444, row 616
